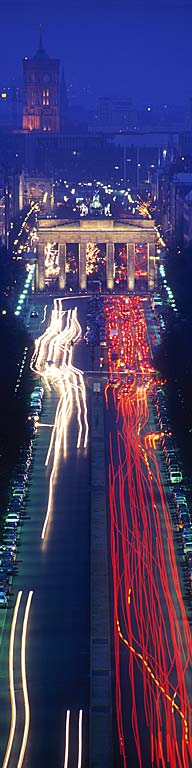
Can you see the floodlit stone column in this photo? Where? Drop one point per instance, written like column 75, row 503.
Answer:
column 151, row 264
column 130, row 266
column 41, row 267
column 62, row 265
column 110, row 248
column 82, row 266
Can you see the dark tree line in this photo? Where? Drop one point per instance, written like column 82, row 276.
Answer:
column 174, row 358
column 14, row 428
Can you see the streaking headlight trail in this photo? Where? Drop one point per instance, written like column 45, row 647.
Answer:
column 69, row 742
column 66, row 756
column 44, row 314
column 16, row 713
column 11, row 682
column 52, row 360
column 24, row 682
column 80, row 739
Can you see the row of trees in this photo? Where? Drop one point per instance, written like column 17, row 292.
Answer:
column 175, row 356
column 13, row 406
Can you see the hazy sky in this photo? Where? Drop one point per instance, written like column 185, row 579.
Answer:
column 134, row 48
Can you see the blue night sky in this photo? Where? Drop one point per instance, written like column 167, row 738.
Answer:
column 139, row 48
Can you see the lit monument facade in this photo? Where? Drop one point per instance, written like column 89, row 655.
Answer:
column 41, row 92
column 105, row 231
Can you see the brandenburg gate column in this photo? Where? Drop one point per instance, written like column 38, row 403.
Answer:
column 151, row 265
column 110, row 248
column 62, row 265
column 130, row 266
column 41, row 267
column 82, row 266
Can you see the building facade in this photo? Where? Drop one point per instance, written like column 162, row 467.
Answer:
column 188, row 220
column 98, row 231
column 116, row 113
column 9, row 204
column 35, row 189
column 180, row 185
column 41, row 92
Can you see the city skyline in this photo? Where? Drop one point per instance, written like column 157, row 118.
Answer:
column 112, row 49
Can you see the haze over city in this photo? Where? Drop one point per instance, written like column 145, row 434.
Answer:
column 118, row 47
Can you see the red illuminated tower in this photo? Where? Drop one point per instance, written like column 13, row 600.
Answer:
column 41, row 92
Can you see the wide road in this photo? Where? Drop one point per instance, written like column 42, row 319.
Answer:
column 44, row 657
column 47, row 628
column 152, row 637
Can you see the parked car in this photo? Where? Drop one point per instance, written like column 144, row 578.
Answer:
column 34, row 313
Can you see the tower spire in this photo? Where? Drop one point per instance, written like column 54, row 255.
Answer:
column 40, row 38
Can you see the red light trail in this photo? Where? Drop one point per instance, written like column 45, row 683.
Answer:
column 150, row 620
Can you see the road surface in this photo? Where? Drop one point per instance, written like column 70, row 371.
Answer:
column 45, row 652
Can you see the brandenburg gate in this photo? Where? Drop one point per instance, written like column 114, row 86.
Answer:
column 108, row 231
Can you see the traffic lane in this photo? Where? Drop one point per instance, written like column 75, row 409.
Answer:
column 15, row 753
column 86, row 356
column 70, row 497
column 59, row 647
column 58, row 636
column 37, row 326
column 33, row 571
column 81, row 350
column 43, row 305
column 125, row 655
column 27, row 569
column 126, row 662
column 149, row 626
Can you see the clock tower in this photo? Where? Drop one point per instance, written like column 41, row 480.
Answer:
column 41, row 92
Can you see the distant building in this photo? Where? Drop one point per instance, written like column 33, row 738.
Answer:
column 11, row 106
column 116, row 113
column 41, row 92
column 35, row 189
column 188, row 220
column 180, row 184
column 9, row 203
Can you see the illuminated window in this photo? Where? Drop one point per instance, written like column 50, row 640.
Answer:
column 46, row 98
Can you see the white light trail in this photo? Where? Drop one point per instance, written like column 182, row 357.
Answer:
column 66, row 757
column 24, row 681
column 80, row 739
column 52, row 359
column 11, row 683
column 44, row 314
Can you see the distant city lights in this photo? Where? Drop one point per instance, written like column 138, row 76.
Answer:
column 167, row 288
